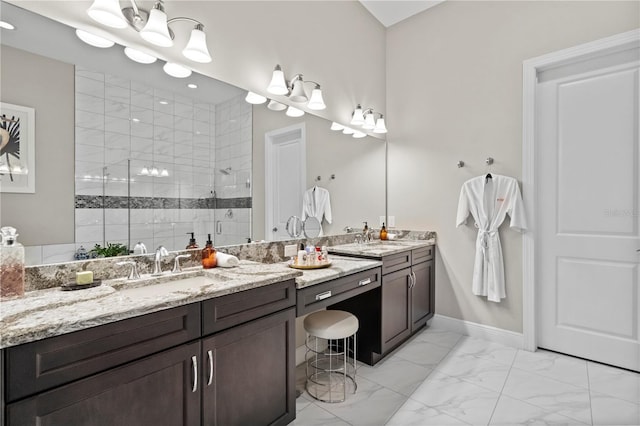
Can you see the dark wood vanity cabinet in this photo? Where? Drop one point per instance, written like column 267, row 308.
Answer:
column 163, row 368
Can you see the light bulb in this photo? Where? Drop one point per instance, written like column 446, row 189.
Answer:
column 254, row 98
column 278, row 85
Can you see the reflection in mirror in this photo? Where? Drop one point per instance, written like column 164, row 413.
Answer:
column 311, row 227
column 294, row 227
column 101, row 123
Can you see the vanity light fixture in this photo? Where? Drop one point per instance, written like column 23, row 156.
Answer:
column 152, row 25
column 295, row 90
column 153, row 172
column 367, row 119
column 294, row 112
column 6, row 25
column 255, row 99
column 176, row 70
column 94, row 40
column 139, row 56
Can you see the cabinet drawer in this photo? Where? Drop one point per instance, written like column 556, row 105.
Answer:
column 41, row 365
column 422, row 254
column 227, row 311
column 396, row 262
column 320, row 296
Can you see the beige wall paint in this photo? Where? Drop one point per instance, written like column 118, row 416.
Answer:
column 454, row 91
column 46, row 217
column 357, row 192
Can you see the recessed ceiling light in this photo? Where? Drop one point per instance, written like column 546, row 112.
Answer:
column 176, row 70
column 93, row 39
column 7, row 26
column 192, row 86
column 139, row 56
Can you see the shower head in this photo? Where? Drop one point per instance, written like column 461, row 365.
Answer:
column 226, row 171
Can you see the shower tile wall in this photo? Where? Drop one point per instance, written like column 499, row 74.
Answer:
column 119, row 120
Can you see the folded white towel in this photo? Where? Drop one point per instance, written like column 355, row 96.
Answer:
column 226, row 260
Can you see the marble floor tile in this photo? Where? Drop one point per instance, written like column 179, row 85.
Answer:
column 607, row 410
column 463, row 400
column 613, row 381
column 396, row 373
column 440, row 337
column 562, row 368
column 302, row 402
column 510, row 411
column 372, row 404
column 550, row 395
column 422, row 353
column 486, row 350
column 413, row 413
column 479, row 371
column 313, row 415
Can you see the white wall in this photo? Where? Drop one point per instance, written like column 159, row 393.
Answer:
column 454, row 90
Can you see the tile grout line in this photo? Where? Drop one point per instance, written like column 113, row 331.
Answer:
column 589, row 390
column 513, row 361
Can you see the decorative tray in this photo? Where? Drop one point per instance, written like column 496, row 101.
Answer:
column 324, row 265
column 74, row 286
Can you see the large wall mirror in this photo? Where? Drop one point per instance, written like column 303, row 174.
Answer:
column 126, row 154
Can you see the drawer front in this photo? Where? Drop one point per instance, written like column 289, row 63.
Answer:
column 320, row 296
column 41, row 365
column 224, row 312
column 396, row 262
column 422, row 255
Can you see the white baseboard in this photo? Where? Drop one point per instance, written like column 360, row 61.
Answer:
column 472, row 329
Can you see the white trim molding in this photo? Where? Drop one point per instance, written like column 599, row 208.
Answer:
column 481, row 331
column 530, row 70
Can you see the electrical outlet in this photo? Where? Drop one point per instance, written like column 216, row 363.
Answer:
column 290, row 250
column 382, row 220
column 392, row 221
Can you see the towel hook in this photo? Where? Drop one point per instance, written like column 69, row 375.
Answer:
column 460, row 164
column 489, row 161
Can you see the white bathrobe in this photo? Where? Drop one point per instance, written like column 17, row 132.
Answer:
column 316, row 203
column 489, row 201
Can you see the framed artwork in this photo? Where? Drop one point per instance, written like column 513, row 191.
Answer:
column 17, row 149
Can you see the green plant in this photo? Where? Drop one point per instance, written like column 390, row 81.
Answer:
column 110, row 250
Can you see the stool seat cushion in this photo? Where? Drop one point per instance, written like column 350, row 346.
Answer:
column 331, row 324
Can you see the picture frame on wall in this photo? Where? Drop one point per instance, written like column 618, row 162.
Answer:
column 17, row 149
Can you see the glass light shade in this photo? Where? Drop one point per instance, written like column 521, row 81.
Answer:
column 358, row 117
column 294, row 112
column 144, row 171
column 336, row 126
column 164, row 173
column 358, row 135
column 139, row 56
column 316, row 102
column 278, row 85
column 254, row 98
column 297, row 92
column 276, row 106
column 348, row 131
column 176, row 70
column 154, row 171
column 94, row 40
column 107, row 12
column 380, row 126
column 196, row 49
column 156, row 31
column 369, row 122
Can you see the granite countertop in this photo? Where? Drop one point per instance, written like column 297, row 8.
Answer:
column 45, row 313
column 379, row 249
column 340, row 266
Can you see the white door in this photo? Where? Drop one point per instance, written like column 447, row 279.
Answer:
column 588, row 298
column 285, row 179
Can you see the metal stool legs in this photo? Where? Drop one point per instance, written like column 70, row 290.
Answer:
column 329, row 367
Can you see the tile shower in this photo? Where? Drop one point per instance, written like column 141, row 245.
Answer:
column 123, row 126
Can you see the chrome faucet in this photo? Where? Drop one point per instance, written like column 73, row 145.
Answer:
column 157, row 263
column 348, row 229
column 176, row 262
column 133, row 272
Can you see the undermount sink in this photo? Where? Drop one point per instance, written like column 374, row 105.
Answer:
column 150, row 285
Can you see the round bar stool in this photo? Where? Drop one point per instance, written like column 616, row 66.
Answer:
column 330, row 354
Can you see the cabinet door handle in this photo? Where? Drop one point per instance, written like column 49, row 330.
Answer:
column 324, row 295
column 364, row 282
column 194, row 363
column 415, row 279
column 210, row 357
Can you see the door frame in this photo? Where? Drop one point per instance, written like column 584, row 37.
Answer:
column 530, row 70
column 269, row 170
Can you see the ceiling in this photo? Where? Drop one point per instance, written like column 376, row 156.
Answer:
column 390, row 12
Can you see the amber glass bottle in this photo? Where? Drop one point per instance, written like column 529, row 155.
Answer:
column 383, row 232
column 209, row 255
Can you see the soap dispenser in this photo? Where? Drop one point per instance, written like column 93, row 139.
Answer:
column 383, row 232
column 192, row 242
column 209, row 255
column 11, row 264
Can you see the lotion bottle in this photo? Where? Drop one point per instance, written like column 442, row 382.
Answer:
column 209, row 255
column 192, row 241
column 383, row 232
